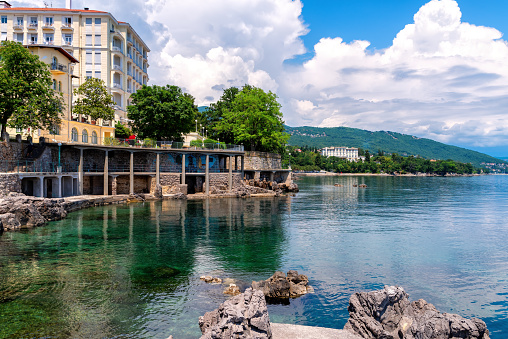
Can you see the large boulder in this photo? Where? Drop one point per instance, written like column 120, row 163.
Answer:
column 244, row 316
column 388, row 314
column 281, row 286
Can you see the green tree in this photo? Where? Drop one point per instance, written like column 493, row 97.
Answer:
column 26, row 97
column 162, row 112
column 122, row 131
column 213, row 115
column 255, row 120
column 94, row 100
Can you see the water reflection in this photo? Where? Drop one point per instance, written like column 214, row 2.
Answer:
column 133, row 270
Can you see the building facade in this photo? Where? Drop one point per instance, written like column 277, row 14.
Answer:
column 348, row 153
column 106, row 48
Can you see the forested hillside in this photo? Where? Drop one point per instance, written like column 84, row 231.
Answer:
column 389, row 142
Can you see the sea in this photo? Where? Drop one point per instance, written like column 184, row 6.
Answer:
column 133, row 271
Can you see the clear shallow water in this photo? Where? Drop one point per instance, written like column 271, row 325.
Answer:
column 133, row 271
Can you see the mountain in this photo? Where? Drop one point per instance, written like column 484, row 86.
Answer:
column 390, row 142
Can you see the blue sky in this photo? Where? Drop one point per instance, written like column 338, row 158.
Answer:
column 435, row 69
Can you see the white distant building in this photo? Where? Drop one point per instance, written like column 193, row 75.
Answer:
column 348, row 153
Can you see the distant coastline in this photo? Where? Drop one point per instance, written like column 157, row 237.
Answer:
column 329, row 174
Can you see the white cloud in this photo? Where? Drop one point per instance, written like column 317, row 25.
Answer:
column 441, row 79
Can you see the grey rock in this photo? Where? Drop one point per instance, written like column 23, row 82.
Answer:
column 281, row 286
column 388, row 313
column 244, row 316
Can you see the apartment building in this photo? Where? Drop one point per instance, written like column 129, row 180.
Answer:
column 105, row 47
column 348, row 153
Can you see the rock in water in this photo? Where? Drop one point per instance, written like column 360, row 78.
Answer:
column 388, row 314
column 244, row 316
column 280, row 286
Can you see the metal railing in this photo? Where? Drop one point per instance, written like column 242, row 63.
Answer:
column 117, row 67
column 33, row 166
column 58, row 67
column 91, row 139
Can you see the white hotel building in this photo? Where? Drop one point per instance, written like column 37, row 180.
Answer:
column 350, row 154
column 105, row 47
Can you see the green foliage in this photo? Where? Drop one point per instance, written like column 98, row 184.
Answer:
column 121, row 131
column 162, row 112
column 382, row 141
column 150, row 143
column 306, row 160
column 196, row 143
column 212, row 115
column 26, row 97
column 254, row 119
column 94, row 100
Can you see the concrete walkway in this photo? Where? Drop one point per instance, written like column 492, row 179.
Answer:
column 286, row 331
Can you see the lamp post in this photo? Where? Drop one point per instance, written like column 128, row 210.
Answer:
column 289, row 160
column 202, row 131
column 59, row 169
column 196, row 125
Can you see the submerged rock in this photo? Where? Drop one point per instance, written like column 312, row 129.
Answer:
column 243, row 316
column 232, row 289
column 388, row 314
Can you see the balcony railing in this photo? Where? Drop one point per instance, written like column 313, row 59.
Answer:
column 68, row 43
column 66, row 26
column 116, row 49
column 117, row 67
column 31, row 166
column 32, row 42
column 116, row 85
column 32, row 25
column 48, row 25
column 18, row 26
column 51, row 43
column 58, row 67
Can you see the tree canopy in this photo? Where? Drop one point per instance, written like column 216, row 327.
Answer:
column 252, row 118
column 214, row 114
column 162, row 112
column 94, row 100
column 26, row 97
column 122, row 131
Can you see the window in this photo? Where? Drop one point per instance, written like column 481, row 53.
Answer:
column 19, row 37
column 88, row 21
column 67, row 21
column 49, row 21
column 33, row 38
column 98, row 74
column 84, row 136
column 88, row 57
column 88, row 40
column 19, row 21
column 48, row 38
column 88, row 75
column 59, row 86
column 97, row 40
column 68, row 39
column 94, row 137
column 55, row 130
column 74, row 134
column 97, row 58
column 54, row 84
column 3, row 36
column 4, row 19
column 33, row 21
column 97, row 21
column 19, row 130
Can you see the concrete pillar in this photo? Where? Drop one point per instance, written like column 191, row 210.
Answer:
column 157, row 171
column 81, row 174
column 41, row 187
column 106, row 172
column 272, row 174
column 60, row 187
column 207, row 175
column 183, row 169
column 230, row 175
column 131, row 174
column 236, row 162
column 242, row 165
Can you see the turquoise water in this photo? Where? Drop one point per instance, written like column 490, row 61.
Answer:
column 132, row 271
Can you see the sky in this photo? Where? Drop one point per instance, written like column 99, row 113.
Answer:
column 435, row 69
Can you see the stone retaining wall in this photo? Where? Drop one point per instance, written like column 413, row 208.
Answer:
column 220, row 180
column 255, row 161
column 9, row 183
column 170, row 183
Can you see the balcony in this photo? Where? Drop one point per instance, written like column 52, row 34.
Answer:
column 130, row 41
column 58, row 67
column 18, row 27
column 67, row 43
column 117, row 85
column 33, row 26
column 67, row 26
column 129, row 90
column 49, row 43
column 117, row 68
column 32, row 42
column 48, row 26
column 117, row 49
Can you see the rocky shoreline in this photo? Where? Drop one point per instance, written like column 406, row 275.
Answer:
column 381, row 314
column 333, row 174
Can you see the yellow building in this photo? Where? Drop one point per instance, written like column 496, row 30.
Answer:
column 105, row 48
